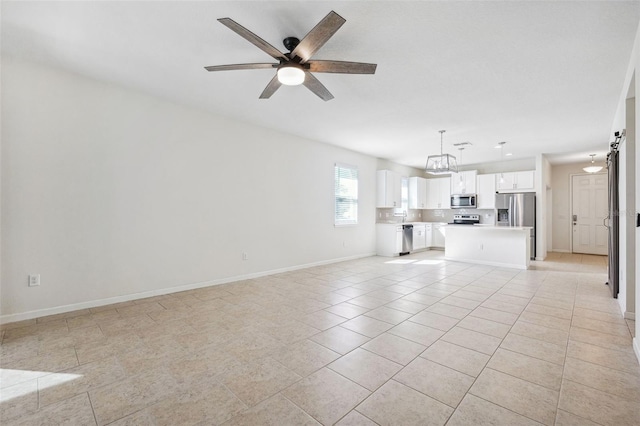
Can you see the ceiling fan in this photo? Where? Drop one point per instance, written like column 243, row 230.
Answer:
column 296, row 66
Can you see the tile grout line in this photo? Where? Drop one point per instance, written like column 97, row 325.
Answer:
column 475, row 379
column 95, row 418
column 566, row 351
column 493, row 354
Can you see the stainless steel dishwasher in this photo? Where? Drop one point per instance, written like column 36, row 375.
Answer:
column 407, row 239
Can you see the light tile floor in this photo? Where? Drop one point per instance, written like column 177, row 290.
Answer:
column 411, row 340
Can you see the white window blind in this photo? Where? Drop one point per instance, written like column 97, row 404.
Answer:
column 346, row 195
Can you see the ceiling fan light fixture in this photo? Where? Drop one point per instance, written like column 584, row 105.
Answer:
column 290, row 75
column 592, row 168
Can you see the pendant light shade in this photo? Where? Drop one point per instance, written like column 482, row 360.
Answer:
column 592, row 168
column 441, row 164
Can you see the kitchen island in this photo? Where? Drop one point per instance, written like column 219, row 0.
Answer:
column 503, row 246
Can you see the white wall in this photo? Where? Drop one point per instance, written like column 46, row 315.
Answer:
column 543, row 182
column 626, row 297
column 632, row 90
column 109, row 193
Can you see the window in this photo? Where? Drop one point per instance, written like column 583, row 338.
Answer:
column 346, row 195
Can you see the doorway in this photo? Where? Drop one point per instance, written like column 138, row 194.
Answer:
column 589, row 205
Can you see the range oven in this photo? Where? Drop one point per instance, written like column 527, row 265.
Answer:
column 465, row 219
column 463, row 201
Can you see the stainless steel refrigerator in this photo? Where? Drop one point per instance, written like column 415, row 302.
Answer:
column 518, row 209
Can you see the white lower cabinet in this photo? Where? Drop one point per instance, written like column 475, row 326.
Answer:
column 438, row 235
column 419, row 237
column 388, row 239
column 428, row 234
column 425, row 236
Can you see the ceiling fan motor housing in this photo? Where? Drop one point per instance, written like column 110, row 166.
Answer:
column 290, row 43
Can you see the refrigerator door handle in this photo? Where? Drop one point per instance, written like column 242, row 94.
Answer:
column 513, row 210
column 605, row 222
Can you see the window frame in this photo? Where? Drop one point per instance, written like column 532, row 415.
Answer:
column 354, row 202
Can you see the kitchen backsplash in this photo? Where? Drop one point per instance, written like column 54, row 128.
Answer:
column 387, row 216
column 442, row 215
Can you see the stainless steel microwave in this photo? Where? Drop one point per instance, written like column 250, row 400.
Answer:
column 463, row 201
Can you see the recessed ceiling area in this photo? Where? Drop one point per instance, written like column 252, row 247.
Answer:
column 544, row 76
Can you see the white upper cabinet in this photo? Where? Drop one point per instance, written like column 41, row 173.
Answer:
column 464, row 182
column 486, row 186
column 439, row 193
column 516, row 181
column 389, row 189
column 445, row 193
column 505, row 181
column 526, row 180
column 417, row 193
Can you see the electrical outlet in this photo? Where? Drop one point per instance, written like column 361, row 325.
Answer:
column 245, row 256
column 387, row 214
column 380, row 215
column 34, row 280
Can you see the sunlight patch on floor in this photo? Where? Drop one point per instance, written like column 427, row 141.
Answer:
column 23, row 376
column 429, row 262
column 401, row 261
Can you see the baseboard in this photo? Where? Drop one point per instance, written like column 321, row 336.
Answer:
column 630, row 315
column 636, row 348
column 561, row 251
column 4, row 319
column 482, row 262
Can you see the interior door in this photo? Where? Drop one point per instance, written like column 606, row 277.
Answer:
column 589, row 212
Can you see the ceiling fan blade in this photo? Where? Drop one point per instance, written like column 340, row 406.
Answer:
column 233, row 67
column 251, row 37
column 271, row 88
column 316, row 87
column 318, row 36
column 342, row 67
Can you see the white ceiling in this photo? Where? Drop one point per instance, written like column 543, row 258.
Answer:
column 543, row 76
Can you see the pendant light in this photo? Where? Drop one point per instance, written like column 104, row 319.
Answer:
column 592, row 168
column 441, row 164
column 501, row 146
column 460, row 178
